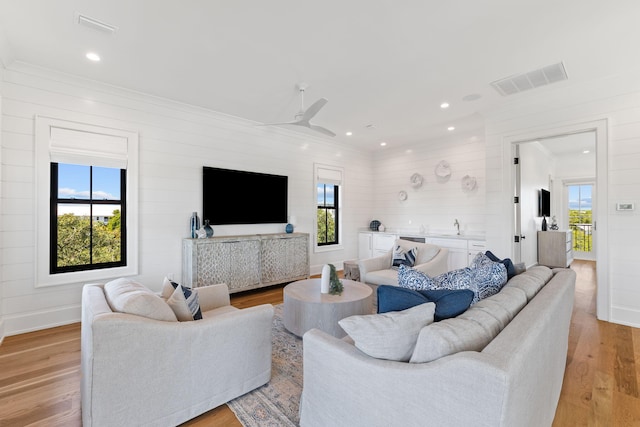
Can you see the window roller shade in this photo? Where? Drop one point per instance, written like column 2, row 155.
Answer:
column 87, row 148
column 329, row 176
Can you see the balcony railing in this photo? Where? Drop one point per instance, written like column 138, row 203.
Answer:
column 582, row 238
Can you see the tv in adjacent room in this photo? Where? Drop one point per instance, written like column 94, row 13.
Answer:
column 544, row 203
column 242, row 197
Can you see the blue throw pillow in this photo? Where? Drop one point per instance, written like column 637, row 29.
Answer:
column 449, row 302
column 395, row 298
column 511, row 269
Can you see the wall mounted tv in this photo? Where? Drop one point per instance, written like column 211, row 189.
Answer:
column 544, row 203
column 241, row 197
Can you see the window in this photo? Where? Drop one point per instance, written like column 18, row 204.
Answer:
column 328, row 214
column 328, row 200
column 580, row 216
column 86, row 202
column 88, row 218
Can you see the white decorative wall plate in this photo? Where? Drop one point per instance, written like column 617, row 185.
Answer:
column 443, row 169
column 469, row 183
column 402, row 196
column 416, row 180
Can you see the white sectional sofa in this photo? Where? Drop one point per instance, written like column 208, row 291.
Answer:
column 140, row 371
column 513, row 380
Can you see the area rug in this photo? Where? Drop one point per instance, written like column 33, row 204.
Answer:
column 276, row 403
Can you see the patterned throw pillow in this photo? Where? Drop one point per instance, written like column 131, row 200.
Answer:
column 413, row 279
column 489, row 276
column 183, row 301
column 402, row 257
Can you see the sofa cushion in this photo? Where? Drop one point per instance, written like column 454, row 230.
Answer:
column 449, row 303
column 390, row 336
column 470, row 331
column 448, row 337
column 531, row 281
column 511, row 269
column 382, row 277
column 403, row 256
column 128, row 296
column 183, row 301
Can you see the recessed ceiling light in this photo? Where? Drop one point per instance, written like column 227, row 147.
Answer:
column 93, row 57
column 586, row 152
column 444, row 105
column 382, row 144
column 451, row 128
column 349, row 133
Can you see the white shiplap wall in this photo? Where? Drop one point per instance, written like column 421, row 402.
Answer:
column 435, row 205
column 616, row 100
column 176, row 140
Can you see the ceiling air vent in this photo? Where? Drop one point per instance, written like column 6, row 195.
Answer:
column 533, row 79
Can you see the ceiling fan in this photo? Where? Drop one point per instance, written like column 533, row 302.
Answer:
column 303, row 117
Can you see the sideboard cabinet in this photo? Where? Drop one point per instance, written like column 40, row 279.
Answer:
column 245, row 262
column 555, row 248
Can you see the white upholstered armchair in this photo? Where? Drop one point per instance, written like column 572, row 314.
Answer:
column 142, row 371
column 430, row 259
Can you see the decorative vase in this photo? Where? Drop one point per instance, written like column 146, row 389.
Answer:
column 289, row 228
column 207, row 228
column 324, row 280
column 544, row 223
column 195, row 225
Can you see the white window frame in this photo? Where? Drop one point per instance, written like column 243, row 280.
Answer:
column 66, row 141
column 327, row 174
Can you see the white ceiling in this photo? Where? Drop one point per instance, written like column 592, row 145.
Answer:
column 389, row 64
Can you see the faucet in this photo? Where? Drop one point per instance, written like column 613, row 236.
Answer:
column 457, row 224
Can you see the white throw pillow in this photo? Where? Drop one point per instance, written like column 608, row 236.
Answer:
column 183, row 301
column 128, row 296
column 392, row 335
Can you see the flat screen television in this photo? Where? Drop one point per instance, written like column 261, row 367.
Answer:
column 544, row 203
column 242, row 197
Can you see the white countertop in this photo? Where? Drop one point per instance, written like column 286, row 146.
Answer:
column 430, row 234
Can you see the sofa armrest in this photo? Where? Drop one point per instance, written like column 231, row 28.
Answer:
column 382, row 262
column 213, row 296
column 437, row 265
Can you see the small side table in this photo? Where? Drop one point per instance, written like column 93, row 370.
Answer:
column 351, row 270
column 306, row 308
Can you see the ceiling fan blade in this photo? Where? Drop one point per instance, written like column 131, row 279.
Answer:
column 278, row 124
column 313, row 109
column 322, row 130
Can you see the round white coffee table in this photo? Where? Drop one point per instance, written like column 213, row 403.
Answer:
column 306, row 308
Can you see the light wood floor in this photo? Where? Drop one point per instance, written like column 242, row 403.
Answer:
column 40, row 371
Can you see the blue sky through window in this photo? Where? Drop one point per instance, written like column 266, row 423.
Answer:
column 321, row 195
column 73, row 182
column 580, row 197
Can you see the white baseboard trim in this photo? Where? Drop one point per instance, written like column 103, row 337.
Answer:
column 1, row 330
column 625, row 316
column 35, row 321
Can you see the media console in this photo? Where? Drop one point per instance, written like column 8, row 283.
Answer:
column 245, row 262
